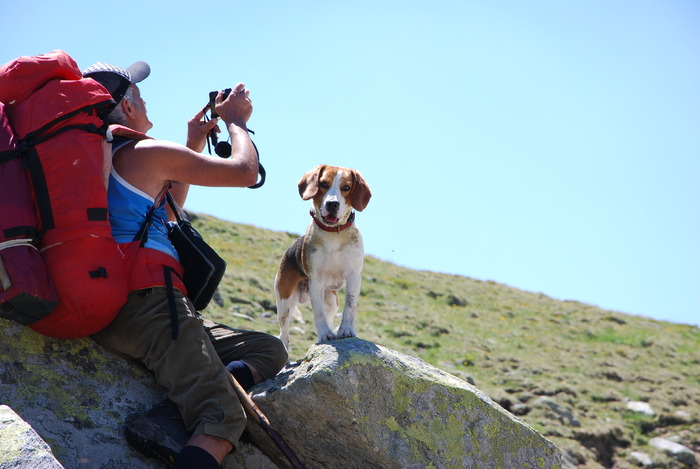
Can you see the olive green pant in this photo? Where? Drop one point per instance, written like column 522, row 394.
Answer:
column 192, row 368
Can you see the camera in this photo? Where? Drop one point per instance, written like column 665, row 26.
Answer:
column 212, row 100
column 223, row 149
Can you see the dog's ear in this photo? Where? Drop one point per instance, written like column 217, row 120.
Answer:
column 360, row 193
column 308, row 185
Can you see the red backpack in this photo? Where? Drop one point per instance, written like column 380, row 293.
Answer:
column 26, row 291
column 54, row 147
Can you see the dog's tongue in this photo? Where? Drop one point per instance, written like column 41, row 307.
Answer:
column 330, row 218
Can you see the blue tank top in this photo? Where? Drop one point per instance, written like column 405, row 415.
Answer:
column 128, row 207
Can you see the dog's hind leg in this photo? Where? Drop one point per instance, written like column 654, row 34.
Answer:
column 284, row 318
column 286, row 309
column 303, row 290
column 290, row 288
column 296, row 314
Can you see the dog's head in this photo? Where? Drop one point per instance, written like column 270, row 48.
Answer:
column 335, row 192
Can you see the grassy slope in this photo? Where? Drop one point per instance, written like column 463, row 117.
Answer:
column 515, row 346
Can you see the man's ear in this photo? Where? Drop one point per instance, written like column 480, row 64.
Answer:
column 128, row 108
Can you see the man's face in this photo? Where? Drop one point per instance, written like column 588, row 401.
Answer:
column 141, row 122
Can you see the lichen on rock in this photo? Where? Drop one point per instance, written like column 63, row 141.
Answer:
column 352, row 403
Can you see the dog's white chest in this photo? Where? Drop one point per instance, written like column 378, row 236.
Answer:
column 332, row 258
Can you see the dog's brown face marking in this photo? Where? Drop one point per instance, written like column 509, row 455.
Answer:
column 348, row 183
column 333, row 193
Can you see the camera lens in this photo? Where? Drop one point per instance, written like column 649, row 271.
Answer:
column 223, row 149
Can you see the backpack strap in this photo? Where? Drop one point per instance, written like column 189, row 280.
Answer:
column 170, row 292
column 122, row 131
column 142, row 233
column 142, row 236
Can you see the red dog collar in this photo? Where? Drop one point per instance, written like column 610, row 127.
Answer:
column 333, row 229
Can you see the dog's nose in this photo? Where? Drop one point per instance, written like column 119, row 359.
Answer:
column 332, row 206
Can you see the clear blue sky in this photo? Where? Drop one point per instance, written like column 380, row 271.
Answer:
column 551, row 146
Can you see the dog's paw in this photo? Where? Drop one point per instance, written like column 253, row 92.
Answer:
column 326, row 337
column 344, row 333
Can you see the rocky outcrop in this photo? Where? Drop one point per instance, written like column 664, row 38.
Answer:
column 75, row 395
column 67, row 401
column 354, row 404
column 21, row 446
column 349, row 403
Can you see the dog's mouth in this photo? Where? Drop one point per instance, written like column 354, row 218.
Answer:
column 330, row 219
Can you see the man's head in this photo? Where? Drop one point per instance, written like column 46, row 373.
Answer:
column 121, row 84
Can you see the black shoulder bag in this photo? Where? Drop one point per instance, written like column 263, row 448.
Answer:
column 204, row 268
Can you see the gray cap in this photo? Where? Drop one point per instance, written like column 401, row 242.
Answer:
column 116, row 79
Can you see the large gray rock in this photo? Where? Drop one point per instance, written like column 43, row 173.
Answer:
column 76, row 396
column 20, row 446
column 348, row 404
column 354, row 404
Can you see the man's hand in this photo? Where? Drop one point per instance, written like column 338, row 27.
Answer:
column 197, row 131
column 237, row 108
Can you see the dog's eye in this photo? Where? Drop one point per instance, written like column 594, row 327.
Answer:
column 323, row 185
column 345, row 188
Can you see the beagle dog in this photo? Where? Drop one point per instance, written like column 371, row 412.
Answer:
column 328, row 256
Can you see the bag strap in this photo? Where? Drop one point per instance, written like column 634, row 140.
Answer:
column 168, row 271
column 180, row 216
column 142, row 233
column 179, row 213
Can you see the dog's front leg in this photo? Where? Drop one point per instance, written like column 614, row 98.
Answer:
column 352, row 288
column 323, row 327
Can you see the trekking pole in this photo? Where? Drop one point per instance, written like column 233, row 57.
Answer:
column 257, row 414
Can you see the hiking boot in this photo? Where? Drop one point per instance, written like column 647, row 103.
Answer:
column 159, row 433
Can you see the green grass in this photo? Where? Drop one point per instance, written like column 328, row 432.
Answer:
column 515, row 345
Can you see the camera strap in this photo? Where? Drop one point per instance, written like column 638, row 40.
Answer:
column 223, row 149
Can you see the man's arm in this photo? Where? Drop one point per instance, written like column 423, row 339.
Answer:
column 168, row 161
column 235, row 112
column 149, row 164
column 198, row 130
